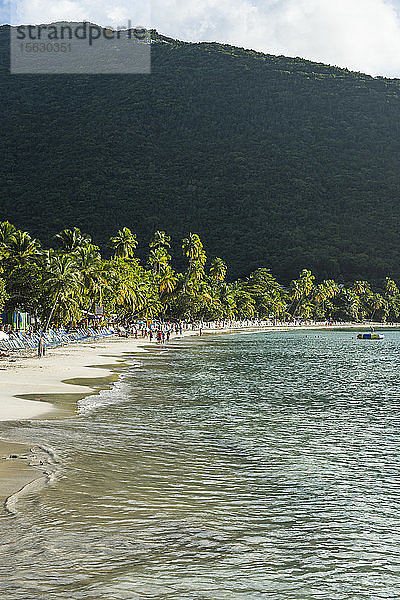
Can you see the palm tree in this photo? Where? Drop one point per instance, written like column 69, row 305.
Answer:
column 218, row 269
column 7, row 234
column 160, row 240
column 192, row 247
column 124, row 243
column 228, row 301
column 266, row 291
column 352, row 302
column 196, row 272
column 392, row 297
column 89, row 263
column 193, row 250
column 128, row 286
column 391, row 288
column 167, row 282
column 376, row 302
column 72, row 239
column 245, row 306
column 362, row 290
column 63, row 281
column 301, row 288
column 322, row 292
column 360, row 287
column 22, row 249
column 158, row 260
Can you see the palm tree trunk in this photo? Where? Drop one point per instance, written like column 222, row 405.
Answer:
column 52, row 311
column 298, row 304
column 188, row 274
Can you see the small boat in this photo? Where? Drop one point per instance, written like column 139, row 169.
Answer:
column 370, row 336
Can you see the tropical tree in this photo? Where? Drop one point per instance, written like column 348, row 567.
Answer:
column 360, row 287
column 160, row 240
column 128, row 287
column 301, row 288
column 158, row 260
column 21, row 249
column 26, row 290
column 245, row 304
column 270, row 298
column 167, row 283
column 124, row 243
column 391, row 289
column 321, row 294
column 227, row 301
column 193, row 250
column 7, row 234
column 90, row 265
column 392, row 297
column 64, row 285
column 71, row 240
column 218, row 269
column 3, row 294
column 58, row 285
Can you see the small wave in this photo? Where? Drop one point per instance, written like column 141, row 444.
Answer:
column 117, row 394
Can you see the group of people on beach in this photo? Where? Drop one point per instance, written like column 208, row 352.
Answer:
column 160, row 332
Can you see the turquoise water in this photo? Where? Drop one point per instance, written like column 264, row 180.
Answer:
column 236, row 467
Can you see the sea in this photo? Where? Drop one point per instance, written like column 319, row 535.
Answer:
column 227, row 467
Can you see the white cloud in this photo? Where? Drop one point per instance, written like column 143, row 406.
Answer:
column 359, row 34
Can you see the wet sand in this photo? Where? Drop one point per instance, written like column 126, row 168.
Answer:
column 27, row 375
column 15, row 473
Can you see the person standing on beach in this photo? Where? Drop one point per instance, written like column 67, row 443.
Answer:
column 41, row 347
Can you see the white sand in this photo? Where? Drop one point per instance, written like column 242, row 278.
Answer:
column 34, row 376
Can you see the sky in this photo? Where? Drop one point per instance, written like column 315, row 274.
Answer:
column 362, row 35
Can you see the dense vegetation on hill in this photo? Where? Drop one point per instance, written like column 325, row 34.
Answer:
column 275, row 162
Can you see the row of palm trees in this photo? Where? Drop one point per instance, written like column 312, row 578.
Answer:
column 67, row 282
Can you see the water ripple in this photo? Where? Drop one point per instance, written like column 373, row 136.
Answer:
column 261, row 466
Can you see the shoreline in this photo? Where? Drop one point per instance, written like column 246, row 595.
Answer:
column 58, row 373
column 27, row 375
column 24, row 469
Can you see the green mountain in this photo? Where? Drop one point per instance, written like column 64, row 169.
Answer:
column 273, row 161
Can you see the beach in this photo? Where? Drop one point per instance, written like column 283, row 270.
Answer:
column 29, row 375
column 28, row 383
column 25, row 375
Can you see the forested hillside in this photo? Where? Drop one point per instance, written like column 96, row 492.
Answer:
column 273, row 161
